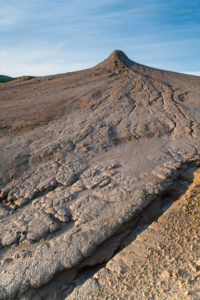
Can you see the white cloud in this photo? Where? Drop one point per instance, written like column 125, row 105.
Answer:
column 44, row 37
column 196, row 73
column 40, row 61
column 39, row 69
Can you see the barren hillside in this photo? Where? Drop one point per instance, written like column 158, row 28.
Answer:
column 82, row 156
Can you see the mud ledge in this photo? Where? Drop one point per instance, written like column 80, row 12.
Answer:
column 64, row 282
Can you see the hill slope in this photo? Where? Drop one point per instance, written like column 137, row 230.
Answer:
column 4, row 78
column 82, row 155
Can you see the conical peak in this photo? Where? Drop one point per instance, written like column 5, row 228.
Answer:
column 117, row 62
column 118, row 56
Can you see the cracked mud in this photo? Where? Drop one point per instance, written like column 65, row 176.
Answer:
column 83, row 154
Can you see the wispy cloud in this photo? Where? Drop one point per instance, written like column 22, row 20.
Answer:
column 40, row 60
column 45, row 36
column 197, row 73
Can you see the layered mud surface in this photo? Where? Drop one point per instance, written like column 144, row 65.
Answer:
column 82, row 155
column 159, row 260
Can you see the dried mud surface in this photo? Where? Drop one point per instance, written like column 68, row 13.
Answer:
column 162, row 262
column 82, row 154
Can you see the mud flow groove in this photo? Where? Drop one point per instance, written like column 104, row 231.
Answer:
column 82, row 155
column 69, row 282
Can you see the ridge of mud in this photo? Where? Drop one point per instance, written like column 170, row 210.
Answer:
column 63, row 284
column 162, row 262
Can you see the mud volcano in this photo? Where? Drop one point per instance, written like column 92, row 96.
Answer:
column 84, row 156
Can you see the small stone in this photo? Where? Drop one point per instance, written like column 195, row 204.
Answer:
column 63, row 211
column 10, row 238
column 66, row 179
column 85, row 149
column 3, row 211
column 64, row 219
column 104, row 182
column 21, row 201
column 50, row 210
column 198, row 262
column 165, row 274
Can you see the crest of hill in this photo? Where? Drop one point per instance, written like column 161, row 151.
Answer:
column 118, row 62
column 118, row 56
column 6, row 80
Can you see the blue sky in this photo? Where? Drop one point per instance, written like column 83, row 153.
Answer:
column 40, row 37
